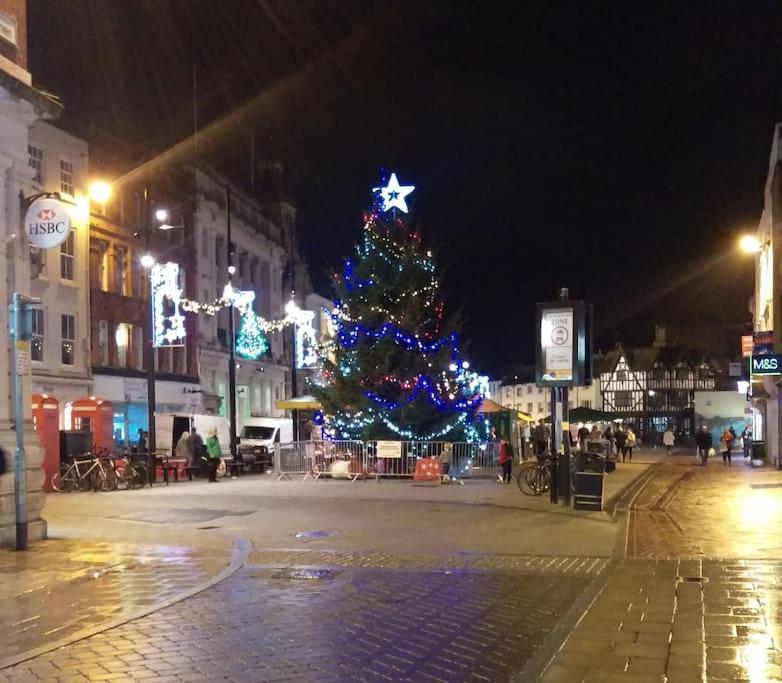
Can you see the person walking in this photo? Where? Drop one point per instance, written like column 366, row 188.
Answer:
column 669, row 439
column 703, row 443
column 526, row 440
column 726, row 445
column 541, row 438
column 620, row 436
column 506, row 460
column 213, row 453
column 746, row 440
column 630, row 443
column 182, row 450
column 583, row 437
column 445, row 463
column 196, row 446
column 608, row 435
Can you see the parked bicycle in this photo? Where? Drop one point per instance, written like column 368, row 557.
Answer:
column 83, row 474
column 534, row 478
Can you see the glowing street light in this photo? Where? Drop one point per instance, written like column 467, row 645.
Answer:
column 99, row 191
column 147, row 260
column 161, row 215
column 750, row 244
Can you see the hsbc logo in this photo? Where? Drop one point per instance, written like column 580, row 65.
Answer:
column 47, row 223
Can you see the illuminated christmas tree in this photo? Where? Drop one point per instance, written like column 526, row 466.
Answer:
column 395, row 370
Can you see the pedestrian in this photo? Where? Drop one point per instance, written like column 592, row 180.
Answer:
column 445, row 463
column 595, row 434
column 703, row 443
column 526, row 440
column 183, row 447
column 213, row 453
column 669, row 439
column 583, row 437
column 609, row 436
column 654, row 435
column 630, row 443
column 541, row 438
column 746, row 440
column 142, row 441
column 621, row 439
column 506, row 460
column 726, row 445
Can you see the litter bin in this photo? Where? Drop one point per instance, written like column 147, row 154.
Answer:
column 758, row 453
column 589, row 482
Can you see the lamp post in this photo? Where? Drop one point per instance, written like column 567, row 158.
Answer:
column 231, row 331
column 291, row 309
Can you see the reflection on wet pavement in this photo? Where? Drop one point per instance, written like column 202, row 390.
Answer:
column 60, row 587
column 699, row 596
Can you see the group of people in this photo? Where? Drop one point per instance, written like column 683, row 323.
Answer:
column 194, row 451
column 728, row 438
column 620, row 442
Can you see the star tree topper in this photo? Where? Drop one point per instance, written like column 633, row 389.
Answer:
column 394, row 194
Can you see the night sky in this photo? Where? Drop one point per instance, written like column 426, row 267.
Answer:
column 615, row 148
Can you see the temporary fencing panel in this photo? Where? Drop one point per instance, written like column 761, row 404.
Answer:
column 314, row 459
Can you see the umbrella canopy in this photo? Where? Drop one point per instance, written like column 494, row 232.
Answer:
column 489, row 406
column 298, row 403
column 589, row 415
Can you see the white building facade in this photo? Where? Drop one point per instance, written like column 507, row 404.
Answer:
column 536, row 401
column 59, row 350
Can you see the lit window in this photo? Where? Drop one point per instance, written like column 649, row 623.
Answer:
column 35, row 161
column 68, row 338
column 66, row 177
column 36, row 345
column 67, row 255
column 121, row 279
column 122, row 340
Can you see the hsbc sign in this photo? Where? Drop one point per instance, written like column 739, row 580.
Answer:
column 47, row 223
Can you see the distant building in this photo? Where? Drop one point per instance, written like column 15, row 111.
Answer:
column 655, row 386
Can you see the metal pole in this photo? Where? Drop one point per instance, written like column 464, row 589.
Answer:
column 554, row 448
column 20, row 460
column 231, row 333
column 294, row 391
column 564, row 458
column 151, row 465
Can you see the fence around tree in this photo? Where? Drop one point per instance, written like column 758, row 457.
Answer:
column 355, row 460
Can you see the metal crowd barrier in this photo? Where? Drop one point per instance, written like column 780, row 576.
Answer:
column 315, row 459
column 357, row 459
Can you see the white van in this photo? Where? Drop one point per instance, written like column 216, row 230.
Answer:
column 258, row 436
column 170, row 426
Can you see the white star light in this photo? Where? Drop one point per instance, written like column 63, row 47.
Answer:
column 394, row 194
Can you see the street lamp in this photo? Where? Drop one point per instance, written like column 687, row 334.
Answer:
column 148, row 261
column 99, row 191
column 750, row 244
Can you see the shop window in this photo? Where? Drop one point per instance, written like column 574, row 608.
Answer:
column 122, row 337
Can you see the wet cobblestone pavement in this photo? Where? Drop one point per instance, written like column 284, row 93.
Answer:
column 699, row 597
column 61, row 587
column 363, row 624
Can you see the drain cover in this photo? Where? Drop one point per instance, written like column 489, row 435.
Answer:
column 311, row 574
column 315, row 534
column 693, row 579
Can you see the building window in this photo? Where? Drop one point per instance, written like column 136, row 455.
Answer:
column 103, row 343
column 621, row 375
column 529, row 388
column 540, row 390
column 508, row 392
column 623, row 399
column 529, row 408
column 683, row 374
column 36, row 345
column 138, row 347
column 99, row 265
column 122, row 340
column 67, row 256
column 540, row 407
column 35, row 161
column 518, row 391
column 586, row 404
column 66, row 177
column 121, row 279
column 68, row 338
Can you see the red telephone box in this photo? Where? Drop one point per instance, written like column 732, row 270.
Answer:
column 46, row 418
column 97, row 416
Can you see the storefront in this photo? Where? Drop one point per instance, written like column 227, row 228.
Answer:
column 128, row 396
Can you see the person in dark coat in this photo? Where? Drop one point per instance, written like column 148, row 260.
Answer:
column 621, row 438
column 703, row 442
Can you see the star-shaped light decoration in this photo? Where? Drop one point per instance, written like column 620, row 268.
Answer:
column 394, row 194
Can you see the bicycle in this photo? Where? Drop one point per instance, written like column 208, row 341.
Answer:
column 72, row 477
column 131, row 474
column 534, row 478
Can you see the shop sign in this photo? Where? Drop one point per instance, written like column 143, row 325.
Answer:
column 47, row 223
column 766, row 364
column 746, row 345
column 762, row 342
